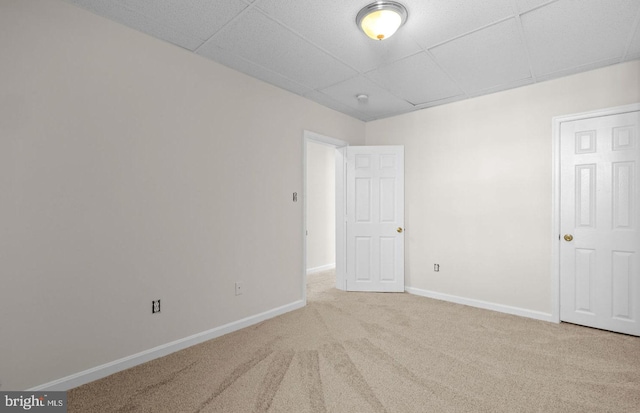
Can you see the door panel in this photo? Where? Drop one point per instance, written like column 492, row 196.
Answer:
column 599, row 265
column 623, row 184
column 585, row 275
column 374, row 212
column 622, row 277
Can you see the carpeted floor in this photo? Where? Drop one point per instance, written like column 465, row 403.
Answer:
column 369, row 352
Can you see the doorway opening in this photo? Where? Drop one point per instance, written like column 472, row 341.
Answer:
column 321, row 235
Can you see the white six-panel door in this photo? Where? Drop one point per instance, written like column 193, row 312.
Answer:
column 599, row 218
column 375, row 218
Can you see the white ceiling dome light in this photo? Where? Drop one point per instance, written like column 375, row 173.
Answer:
column 381, row 19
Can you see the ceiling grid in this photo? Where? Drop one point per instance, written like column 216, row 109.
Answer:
column 448, row 50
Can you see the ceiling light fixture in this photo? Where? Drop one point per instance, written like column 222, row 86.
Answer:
column 381, row 19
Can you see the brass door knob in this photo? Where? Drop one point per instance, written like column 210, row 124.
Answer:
column 568, row 237
column 399, row 230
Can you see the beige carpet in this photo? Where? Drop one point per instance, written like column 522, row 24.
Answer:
column 368, row 352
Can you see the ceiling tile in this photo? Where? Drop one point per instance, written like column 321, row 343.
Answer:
column 231, row 60
column 504, row 86
column 331, row 25
column 578, row 69
column 417, row 79
column 570, row 33
column 486, row 58
column 199, row 18
column 258, row 39
column 526, row 5
column 123, row 15
column 380, row 103
column 329, row 102
column 442, row 20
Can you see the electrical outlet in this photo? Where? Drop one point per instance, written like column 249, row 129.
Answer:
column 239, row 288
column 155, row 306
column 436, row 267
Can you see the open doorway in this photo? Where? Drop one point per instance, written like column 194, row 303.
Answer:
column 321, row 213
column 320, row 195
column 369, row 216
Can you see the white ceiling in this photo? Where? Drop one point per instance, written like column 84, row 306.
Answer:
column 448, row 50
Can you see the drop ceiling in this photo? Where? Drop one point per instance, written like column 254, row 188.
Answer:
column 447, row 51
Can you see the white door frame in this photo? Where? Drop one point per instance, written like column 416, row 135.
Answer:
column 555, row 196
column 307, row 137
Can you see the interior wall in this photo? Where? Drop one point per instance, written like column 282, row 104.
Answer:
column 479, row 186
column 321, row 207
column 132, row 170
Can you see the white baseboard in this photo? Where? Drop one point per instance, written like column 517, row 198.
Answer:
column 321, row 268
column 522, row 312
column 95, row 373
